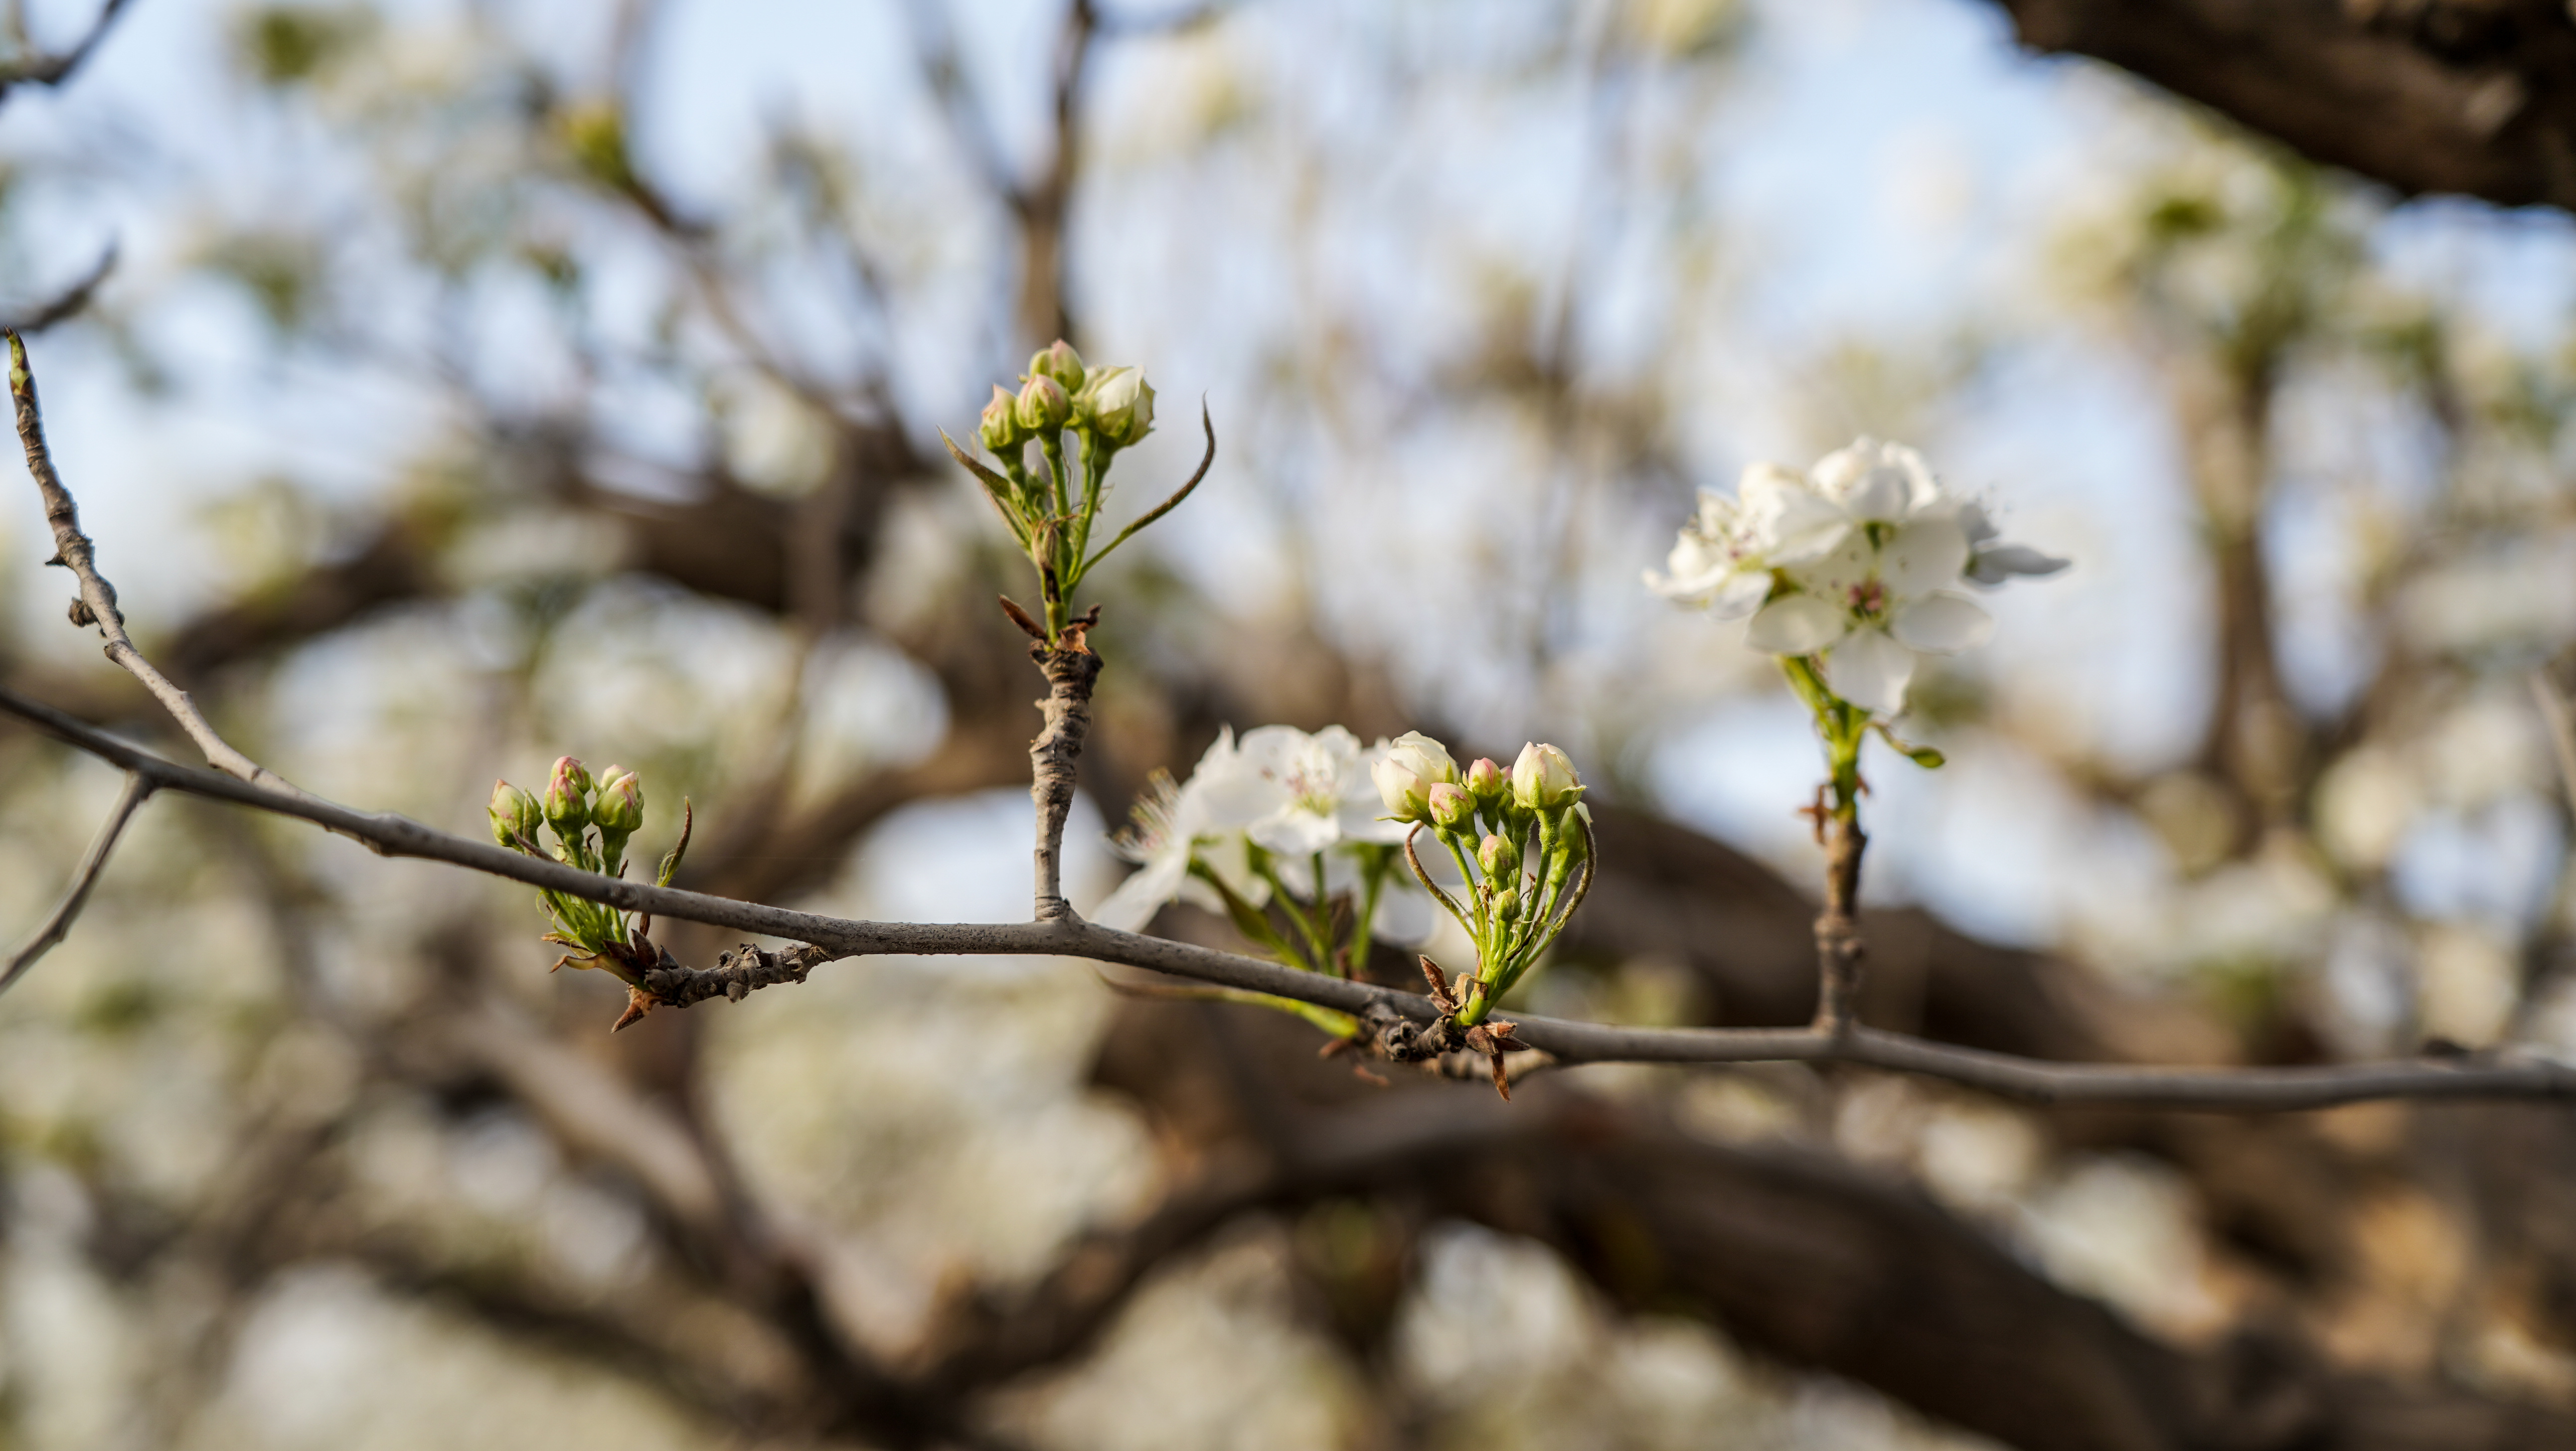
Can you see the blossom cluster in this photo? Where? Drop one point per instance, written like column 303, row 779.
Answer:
column 1521, row 842
column 1859, row 562
column 1052, row 507
column 1277, row 813
column 591, row 822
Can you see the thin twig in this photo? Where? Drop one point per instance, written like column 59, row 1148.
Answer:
column 97, row 602
column 52, row 68
column 138, row 788
column 2491, row 1075
column 66, row 302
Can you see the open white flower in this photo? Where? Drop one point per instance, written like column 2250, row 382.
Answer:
column 1724, row 557
column 1294, row 794
column 1856, row 561
column 1297, row 794
column 1172, row 828
column 1872, row 606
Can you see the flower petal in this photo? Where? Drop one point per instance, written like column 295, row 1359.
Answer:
column 1871, row 671
column 1291, row 831
column 1143, row 893
column 2003, row 561
column 1922, row 490
column 1785, row 519
column 1796, row 625
column 1924, row 555
column 1942, row 625
column 1741, row 595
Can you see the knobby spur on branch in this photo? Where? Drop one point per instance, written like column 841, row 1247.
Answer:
column 1847, row 572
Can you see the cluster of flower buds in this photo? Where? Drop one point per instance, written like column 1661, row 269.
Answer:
column 1052, row 507
column 1109, row 408
column 590, row 822
column 1522, row 841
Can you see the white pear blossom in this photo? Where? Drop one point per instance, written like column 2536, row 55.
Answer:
column 1298, row 794
column 1172, row 828
column 1292, row 794
column 1725, row 556
column 1859, row 561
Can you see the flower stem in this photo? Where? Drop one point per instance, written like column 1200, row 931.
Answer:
column 1839, row 946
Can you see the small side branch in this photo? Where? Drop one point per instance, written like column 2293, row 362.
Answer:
column 52, row 68
column 138, row 788
column 97, row 602
column 65, row 303
column 1071, row 670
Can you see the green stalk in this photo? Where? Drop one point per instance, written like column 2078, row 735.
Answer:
column 1373, row 874
column 1315, row 946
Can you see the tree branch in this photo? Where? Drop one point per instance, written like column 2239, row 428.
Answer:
column 85, row 876
column 2492, row 1075
column 97, row 602
column 67, row 302
column 52, row 68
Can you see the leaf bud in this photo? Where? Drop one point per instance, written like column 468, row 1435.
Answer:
column 1543, row 778
column 515, row 817
column 1486, row 782
column 1044, row 405
column 1451, row 810
column 1118, row 406
column 1061, row 363
column 1001, row 429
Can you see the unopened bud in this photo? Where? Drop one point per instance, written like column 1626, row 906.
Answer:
column 1543, row 778
column 1001, row 427
column 1499, row 858
column 1406, row 794
column 515, row 816
column 567, row 800
column 1118, row 406
column 1451, row 810
column 1424, row 757
column 1044, row 405
column 620, row 807
column 1507, row 904
column 1486, row 782
column 1061, row 363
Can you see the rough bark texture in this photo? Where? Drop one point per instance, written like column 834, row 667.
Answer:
column 2474, row 97
column 1070, row 673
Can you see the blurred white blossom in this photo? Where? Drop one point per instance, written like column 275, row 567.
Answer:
column 1857, row 561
